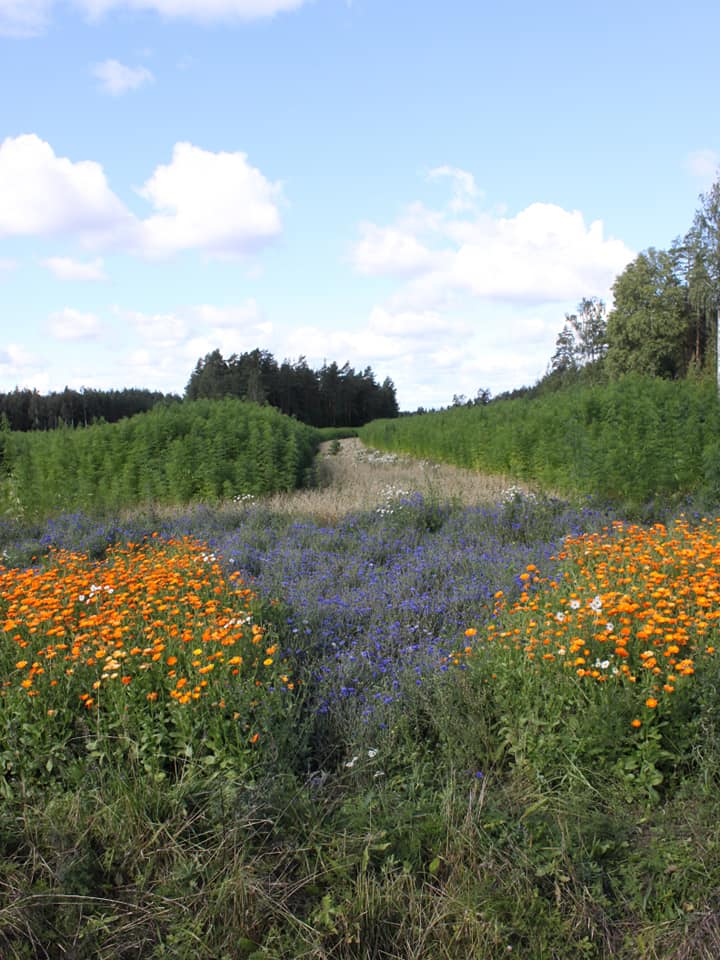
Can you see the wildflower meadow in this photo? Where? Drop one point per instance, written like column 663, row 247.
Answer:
column 422, row 729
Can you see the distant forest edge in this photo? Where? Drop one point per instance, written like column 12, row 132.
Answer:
column 329, row 397
column 27, row 409
column 634, row 440
column 332, row 396
column 202, row 450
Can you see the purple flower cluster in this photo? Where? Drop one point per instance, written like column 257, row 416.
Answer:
column 373, row 602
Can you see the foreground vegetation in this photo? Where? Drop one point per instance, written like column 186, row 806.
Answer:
column 630, row 442
column 424, row 731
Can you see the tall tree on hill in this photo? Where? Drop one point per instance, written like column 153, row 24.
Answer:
column 589, row 325
column 702, row 252
column 210, row 378
column 332, row 396
column 580, row 347
column 648, row 327
column 565, row 358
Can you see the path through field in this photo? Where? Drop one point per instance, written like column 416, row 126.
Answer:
column 357, row 478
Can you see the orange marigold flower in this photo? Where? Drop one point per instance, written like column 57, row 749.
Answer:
column 636, row 723
column 651, row 702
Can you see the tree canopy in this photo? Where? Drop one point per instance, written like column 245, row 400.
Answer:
column 649, row 326
column 665, row 314
column 664, row 319
column 329, row 397
column 30, row 410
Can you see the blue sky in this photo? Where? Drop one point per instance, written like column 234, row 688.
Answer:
column 424, row 188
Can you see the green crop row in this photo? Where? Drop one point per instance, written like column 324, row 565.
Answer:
column 199, row 450
column 632, row 441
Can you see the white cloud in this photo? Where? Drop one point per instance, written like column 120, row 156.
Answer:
column 42, row 194
column 204, row 10
column 214, row 201
column 116, row 78
column 239, row 317
column 480, row 295
column 71, row 324
column 181, row 337
column 7, row 265
column 418, row 325
column 542, row 254
column 65, row 268
column 703, row 164
column 24, row 18
column 162, row 331
column 15, row 355
column 465, row 190
column 20, row 368
column 390, row 250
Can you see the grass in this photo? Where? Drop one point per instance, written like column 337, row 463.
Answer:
column 353, row 479
column 457, row 722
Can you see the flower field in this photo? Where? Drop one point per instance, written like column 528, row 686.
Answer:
column 420, row 731
column 134, row 641
column 630, row 605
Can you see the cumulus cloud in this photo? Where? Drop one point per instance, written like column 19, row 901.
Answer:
column 181, row 337
column 215, row 202
column 42, row 194
column 544, row 253
column 390, row 250
column 20, row 368
column 479, row 296
column 71, row 324
column 414, row 324
column 116, row 78
column 65, row 268
column 24, row 18
column 238, row 317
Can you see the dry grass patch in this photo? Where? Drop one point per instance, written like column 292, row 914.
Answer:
column 355, row 478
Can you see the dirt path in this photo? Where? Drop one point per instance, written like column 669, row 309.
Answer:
column 357, row 478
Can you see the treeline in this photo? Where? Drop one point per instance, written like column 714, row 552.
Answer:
column 30, row 410
column 176, row 453
column 329, row 397
column 632, row 441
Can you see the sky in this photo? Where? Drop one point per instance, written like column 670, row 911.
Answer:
column 424, row 188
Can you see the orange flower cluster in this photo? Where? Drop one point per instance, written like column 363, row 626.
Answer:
column 157, row 617
column 633, row 605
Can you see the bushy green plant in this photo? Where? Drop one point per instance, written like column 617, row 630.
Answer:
column 200, row 450
column 627, row 442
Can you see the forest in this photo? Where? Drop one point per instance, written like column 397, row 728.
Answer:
column 331, row 396
column 26, row 409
